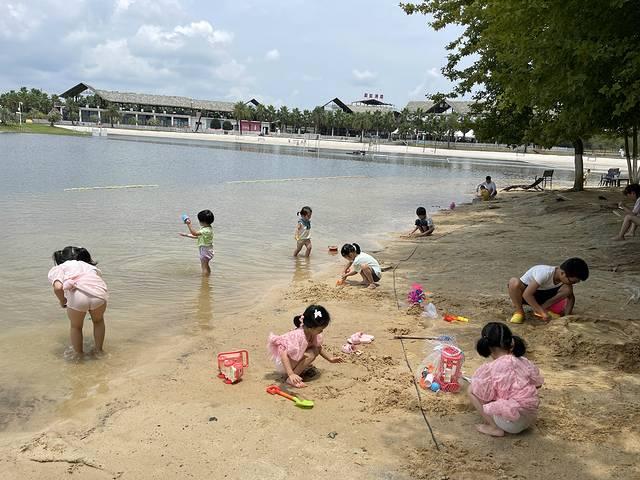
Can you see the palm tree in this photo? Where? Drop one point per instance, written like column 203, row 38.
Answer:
column 296, row 119
column 239, row 113
column 284, row 117
column 112, row 114
column 317, row 116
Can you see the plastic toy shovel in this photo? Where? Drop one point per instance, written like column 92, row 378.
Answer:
column 275, row 390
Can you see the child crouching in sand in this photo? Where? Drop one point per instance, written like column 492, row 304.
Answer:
column 504, row 391
column 295, row 351
column 362, row 263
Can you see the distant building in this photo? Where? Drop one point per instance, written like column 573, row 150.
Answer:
column 444, row 107
column 367, row 104
column 145, row 109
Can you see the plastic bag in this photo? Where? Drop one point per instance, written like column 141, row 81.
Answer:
column 430, row 364
column 430, row 311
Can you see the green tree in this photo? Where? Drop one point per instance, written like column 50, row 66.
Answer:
column 73, row 109
column 296, row 119
column 565, row 62
column 317, row 118
column 283, row 118
column 215, row 124
column 227, row 125
column 240, row 112
column 54, row 117
column 112, row 114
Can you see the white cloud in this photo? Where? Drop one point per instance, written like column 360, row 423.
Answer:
column 230, row 71
column 205, row 30
column 363, row 77
column 272, row 55
column 16, row 20
column 113, row 59
column 123, row 5
column 429, row 81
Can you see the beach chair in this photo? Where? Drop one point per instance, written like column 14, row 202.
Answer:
column 547, row 176
column 534, row 186
column 610, row 179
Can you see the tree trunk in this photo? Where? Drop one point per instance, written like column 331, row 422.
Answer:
column 578, row 183
column 627, row 154
column 635, row 156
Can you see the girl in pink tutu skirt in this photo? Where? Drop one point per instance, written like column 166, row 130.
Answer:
column 504, row 391
column 295, row 351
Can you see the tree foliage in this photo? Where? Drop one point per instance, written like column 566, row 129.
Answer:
column 562, row 70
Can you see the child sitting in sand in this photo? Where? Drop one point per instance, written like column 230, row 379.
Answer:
column 362, row 263
column 79, row 287
column 543, row 286
column 204, row 237
column 424, row 225
column 632, row 217
column 303, row 231
column 504, row 391
column 295, row 351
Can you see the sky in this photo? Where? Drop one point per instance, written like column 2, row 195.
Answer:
column 299, row 53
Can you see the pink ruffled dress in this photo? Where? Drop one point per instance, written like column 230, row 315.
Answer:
column 508, row 385
column 294, row 343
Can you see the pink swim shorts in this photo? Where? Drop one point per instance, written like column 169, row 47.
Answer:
column 206, row 253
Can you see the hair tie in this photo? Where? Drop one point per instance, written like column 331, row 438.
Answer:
column 317, row 314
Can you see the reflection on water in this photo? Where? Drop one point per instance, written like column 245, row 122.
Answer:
column 156, row 290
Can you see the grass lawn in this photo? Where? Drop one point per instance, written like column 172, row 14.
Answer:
column 38, row 128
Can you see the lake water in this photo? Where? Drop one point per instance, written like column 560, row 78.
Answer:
column 153, row 274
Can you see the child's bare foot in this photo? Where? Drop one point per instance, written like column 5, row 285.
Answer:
column 617, row 238
column 372, row 286
column 490, row 430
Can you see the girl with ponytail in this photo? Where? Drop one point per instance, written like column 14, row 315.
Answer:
column 295, row 351
column 505, row 390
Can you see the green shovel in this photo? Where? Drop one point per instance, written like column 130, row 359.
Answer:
column 275, row 390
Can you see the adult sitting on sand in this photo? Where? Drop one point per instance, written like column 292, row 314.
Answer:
column 632, row 217
column 487, row 189
column 543, row 286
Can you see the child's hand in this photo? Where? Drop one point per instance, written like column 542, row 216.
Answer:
column 188, row 221
column 296, row 381
column 335, row 360
column 63, row 304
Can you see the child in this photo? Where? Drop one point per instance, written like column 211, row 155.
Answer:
column 424, row 224
column 303, row 231
column 295, row 351
column 79, row 287
column 204, row 237
column 543, row 286
column 504, row 391
column 362, row 263
column 632, row 217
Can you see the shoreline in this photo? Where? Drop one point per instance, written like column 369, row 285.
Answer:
column 171, row 417
column 564, row 162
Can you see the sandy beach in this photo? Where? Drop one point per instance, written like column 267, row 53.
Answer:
column 170, row 417
column 566, row 162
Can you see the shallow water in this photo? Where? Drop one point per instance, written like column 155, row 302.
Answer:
column 153, row 274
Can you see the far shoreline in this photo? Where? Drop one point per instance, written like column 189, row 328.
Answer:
column 530, row 160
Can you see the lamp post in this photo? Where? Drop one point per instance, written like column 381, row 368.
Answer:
column 20, row 112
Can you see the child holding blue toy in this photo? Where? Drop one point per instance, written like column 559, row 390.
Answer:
column 204, row 236
column 303, row 231
column 295, row 351
column 505, row 390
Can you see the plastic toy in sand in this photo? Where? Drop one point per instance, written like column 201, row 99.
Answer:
column 447, row 317
column 184, row 218
column 339, row 282
column 559, row 306
column 417, row 295
column 449, row 369
column 442, row 368
column 231, row 365
column 333, row 249
column 275, row 390
column 452, row 206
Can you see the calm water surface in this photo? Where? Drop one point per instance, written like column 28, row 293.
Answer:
column 152, row 273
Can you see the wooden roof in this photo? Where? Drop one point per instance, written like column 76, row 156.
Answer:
column 151, row 100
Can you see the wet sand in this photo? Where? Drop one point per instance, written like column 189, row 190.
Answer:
column 170, row 417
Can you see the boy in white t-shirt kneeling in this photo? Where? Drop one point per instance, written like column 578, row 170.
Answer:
column 543, row 286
